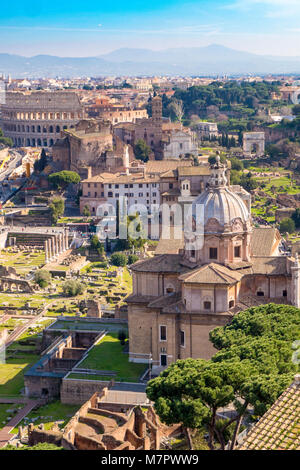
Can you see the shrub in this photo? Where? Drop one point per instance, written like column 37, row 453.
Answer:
column 42, row 278
column 73, row 287
column 287, row 225
column 122, row 335
column 132, row 258
column 118, row 259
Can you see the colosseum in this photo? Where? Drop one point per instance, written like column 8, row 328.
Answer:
column 36, row 118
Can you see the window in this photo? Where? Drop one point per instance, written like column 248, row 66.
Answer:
column 284, row 293
column 213, row 253
column 116, row 186
column 117, row 195
column 140, row 185
column 260, row 293
column 237, row 251
column 182, row 338
column 193, row 253
column 95, row 194
column 170, row 185
column 207, row 305
column 169, row 290
column 110, row 194
column 163, row 360
column 231, row 303
column 163, row 333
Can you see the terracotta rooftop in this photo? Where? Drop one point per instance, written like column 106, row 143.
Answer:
column 119, row 178
column 165, row 300
column 279, row 428
column 161, row 166
column 167, row 263
column 212, row 273
column 171, row 245
column 263, row 241
column 194, row 171
column 271, row 265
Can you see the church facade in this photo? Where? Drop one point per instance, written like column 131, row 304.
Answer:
column 222, row 266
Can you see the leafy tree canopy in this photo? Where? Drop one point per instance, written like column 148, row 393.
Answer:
column 287, row 225
column 63, row 178
column 142, row 150
column 252, row 367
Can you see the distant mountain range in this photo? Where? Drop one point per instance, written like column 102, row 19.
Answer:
column 210, row 60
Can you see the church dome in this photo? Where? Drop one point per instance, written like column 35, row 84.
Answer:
column 221, row 204
column 218, row 201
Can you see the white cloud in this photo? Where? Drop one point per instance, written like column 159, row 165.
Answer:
column 274, row 8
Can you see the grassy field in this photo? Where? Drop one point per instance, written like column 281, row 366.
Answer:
column 108, row 355
column 12, row 373
column 48, row 414
column 81, row 325
column 8, row 410
column 23, row 262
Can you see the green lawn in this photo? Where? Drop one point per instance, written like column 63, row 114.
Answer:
column 22, row 262
column 282, row 185
column 4, row 414
column 48, row 414
column 12, row 373
column 82, row 325
column 108, row 355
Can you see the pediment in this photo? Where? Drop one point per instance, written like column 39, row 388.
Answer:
column 212, row 225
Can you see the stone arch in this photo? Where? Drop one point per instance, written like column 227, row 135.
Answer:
column 170, row 289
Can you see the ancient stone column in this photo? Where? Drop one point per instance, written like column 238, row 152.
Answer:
column 46, row 251
column 50, row 252
column 66, row 235
column 53, row 247
column 61, row 243
column 57, row 245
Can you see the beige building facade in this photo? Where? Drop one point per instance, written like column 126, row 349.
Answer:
column 220, row 267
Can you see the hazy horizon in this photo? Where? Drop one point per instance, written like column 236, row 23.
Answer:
column 154, row 50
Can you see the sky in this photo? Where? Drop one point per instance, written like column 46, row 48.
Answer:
column 74, row 28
